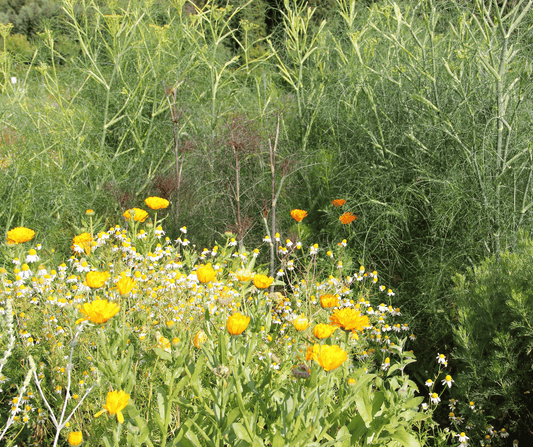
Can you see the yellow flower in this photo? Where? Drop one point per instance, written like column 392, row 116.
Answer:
column 125, row 285
column 349, row 319
column 312, row 352
column 156, row 203
column 162, row 342
column 82, row 243
column 89, row 212
column 301, row 323
column 75, row 438
column 99, row 311
column 116, row 401
column 298, row 215
column 263, row 281
column 96, row 279
column 347, row 217
column 322, row 331
column 206, row 273
column 237, row 323
column 137, row 214
column 200, row 338
column 338, row 202
column 331, row 357
column 19, row 235
column 328, row 301
column 243, row 275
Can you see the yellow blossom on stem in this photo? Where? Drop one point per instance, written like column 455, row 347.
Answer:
column 82, row 243
column 116, row 401
column 263, row 281
column 96, row 280
column 99, row 311
column 206, row 273
column 331, row 357
column 298, row 215
column 137, row 214
column 349, row 319
column 19, row 235
column 237, row 323
column 199, row 339
column 75, row 438
column 301, row 323
column 347, row 218
column 322, row 331
column 328, row 301
column 338, row 202
column 156, row 203
column 125, row 285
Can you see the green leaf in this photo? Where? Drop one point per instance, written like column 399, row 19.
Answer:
column 163, row 354
column 241, row 432
column 278, row 440
column 405, row 438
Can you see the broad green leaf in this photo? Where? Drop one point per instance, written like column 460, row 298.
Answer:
column 405, row 438
column 241, row 432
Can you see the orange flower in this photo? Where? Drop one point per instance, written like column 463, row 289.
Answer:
column 199, row 339
column 99, row 311
column 322, row 330
column 347, row 218
column 237, row 323
column 82, row 243
column 328, row 301
column 298, row 215
column 349, row 319
column 312, row 352
column 156, row 203
column 263, row 281
column 301, row 323
column 331, row 357
column 96, row 280
column 137, row 214
column 19, row 235
column 338, row 202
column 206, row 273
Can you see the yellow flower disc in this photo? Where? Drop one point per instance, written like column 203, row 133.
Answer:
column 263, row 281
column 298, row 215
column 331, row 357
column 206, row 273
column 237, row 323
column 156, row 203
column 96, row 280
column 19, row 235
column 99, row 311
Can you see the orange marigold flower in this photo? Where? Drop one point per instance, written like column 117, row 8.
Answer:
column 82, row 243
column 331, row 357
column 322, row 330
column 96, row 280
column 156, row 203
column 137, row 214
column 237, row 323
column 338, row 202
column 263, row 281
column 349, row 319
column 99, row 311
column 298, row 215
column 199, row 339
column 328, row 301
column 312, row 352
column 19, row 235
column 347, row 218
column 206, row 273
column 116, row 401
column 301, row 323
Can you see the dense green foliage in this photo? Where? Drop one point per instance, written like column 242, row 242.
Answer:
column 418, row 114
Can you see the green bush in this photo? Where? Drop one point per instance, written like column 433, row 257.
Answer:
column 494, row 333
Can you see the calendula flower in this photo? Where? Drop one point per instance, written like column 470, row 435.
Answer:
column 312, row 352
column 206, row 273
column 75, row 438
column 200, row 338
column 300, row 323
column 347, row 218
column 125, row 285
column 243, row 275
column 156, row 203
column 99, row 311
column 263, row 281
column 89, row 212
column 116, row 402
column 322, row 331
column 328, row 301
column 298, row 215
column 137, row 214
column 338, row 202
column 96, row 279
column 19, row 235
column 349, row 319
column 331, row 357
column 82, row 243
column 162, row 342
column 237, row 323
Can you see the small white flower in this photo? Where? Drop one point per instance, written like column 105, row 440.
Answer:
column 441, row 358
column 435, row 399
column 448, row 381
